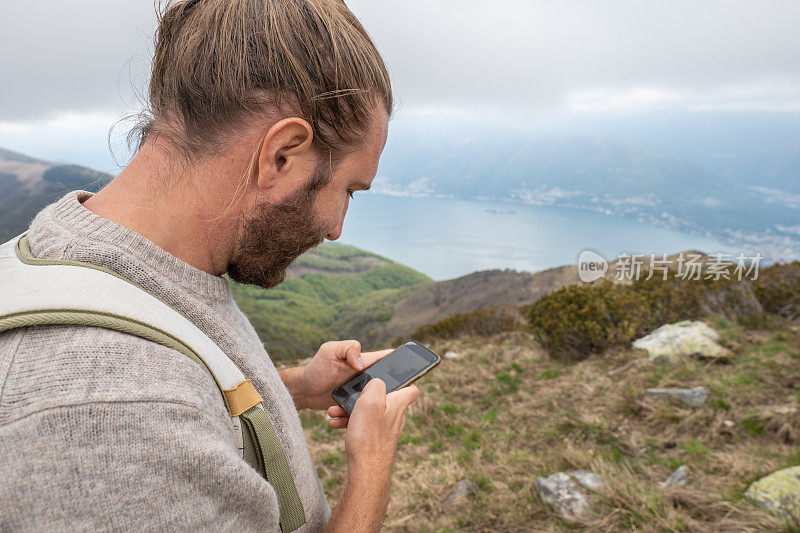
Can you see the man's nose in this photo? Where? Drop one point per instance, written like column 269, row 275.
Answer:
column 335, row 234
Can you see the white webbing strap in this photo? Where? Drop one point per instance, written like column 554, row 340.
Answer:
column 80, row 293
column 78, row 288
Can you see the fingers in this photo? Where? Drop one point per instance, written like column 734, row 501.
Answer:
column 335, row 411
column 339, row 423
column 371, row 357
column 339, row 417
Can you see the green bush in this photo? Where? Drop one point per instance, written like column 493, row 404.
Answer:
column 778, row 290
column 482, row 322
column 579, row 320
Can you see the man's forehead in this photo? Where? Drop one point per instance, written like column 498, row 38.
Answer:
column 383, row 135
column 377, row 136
column 365, row 157
column 385, row 128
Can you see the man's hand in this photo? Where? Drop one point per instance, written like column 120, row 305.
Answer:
column 375, row 426
column 370, row 444
column 334, row 363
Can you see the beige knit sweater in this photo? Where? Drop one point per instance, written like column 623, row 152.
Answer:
column 100, row 430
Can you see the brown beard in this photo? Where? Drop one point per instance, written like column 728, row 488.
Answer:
column 273, row 236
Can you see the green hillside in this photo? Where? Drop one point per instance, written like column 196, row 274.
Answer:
column 506, row 408
column 342, row 292
column 304, row 311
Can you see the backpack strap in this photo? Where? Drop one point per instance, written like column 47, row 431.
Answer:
column 79, row 293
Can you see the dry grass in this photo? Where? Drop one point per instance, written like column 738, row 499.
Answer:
column 504, row 413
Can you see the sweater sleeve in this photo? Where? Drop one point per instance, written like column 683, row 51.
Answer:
column 135, row 465
column 100, row 430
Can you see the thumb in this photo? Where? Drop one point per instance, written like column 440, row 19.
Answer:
column 350, row 351
column 402, row 398
column 353, row 355
column 373, row 395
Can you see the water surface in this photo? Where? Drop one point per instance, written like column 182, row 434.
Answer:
column 446, row 238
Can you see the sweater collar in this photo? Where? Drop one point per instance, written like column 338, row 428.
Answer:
column 87, row 231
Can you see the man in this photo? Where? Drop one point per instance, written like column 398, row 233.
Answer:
column 265, row 117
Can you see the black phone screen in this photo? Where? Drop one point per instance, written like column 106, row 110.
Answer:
column 395, row 370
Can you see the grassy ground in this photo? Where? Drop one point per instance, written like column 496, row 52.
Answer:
column 504, row 413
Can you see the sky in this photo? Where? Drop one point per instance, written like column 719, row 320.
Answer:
column 71, row 70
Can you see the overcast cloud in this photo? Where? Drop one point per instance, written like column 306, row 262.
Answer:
column 70, row 70
column 84, row 56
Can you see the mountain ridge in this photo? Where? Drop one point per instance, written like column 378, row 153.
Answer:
column 334, row 291
column 28, row 184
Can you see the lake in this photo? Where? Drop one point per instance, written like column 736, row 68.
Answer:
column 446, row 238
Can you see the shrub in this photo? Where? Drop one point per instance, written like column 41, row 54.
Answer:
column 778, row 290
column 481, row 322
column 579, row 320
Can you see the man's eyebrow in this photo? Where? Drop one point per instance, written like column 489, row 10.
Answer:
column 364, row 186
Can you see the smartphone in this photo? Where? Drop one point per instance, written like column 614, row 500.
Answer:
column 397, row 369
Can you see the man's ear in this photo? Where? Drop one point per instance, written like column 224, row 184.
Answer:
column 285, row 156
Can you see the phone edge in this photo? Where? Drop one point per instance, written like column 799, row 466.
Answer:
column 410, row 382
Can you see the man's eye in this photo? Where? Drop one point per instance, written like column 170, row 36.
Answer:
column 351, row 193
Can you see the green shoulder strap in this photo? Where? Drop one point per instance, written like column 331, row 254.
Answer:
column 262, row 449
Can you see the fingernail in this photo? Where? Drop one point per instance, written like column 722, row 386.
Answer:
column 359, row 362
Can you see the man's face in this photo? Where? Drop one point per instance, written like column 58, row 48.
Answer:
column 272, row 236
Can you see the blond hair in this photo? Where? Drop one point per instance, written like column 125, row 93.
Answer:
column 220, row 63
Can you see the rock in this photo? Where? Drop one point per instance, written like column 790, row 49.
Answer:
column 688, row 338
column 464, row 489
column 694, row 397
column 587, row 480
column 564, row 495
column 451, row 355
column 728, row 427
column 679, row 477
column 778, row 492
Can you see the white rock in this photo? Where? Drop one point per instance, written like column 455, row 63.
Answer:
column 679, row 477
column 587, row 480
column 463, row 490
column 687, row 338
column 564, row 495
column 451, row 355
column 694, row 397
